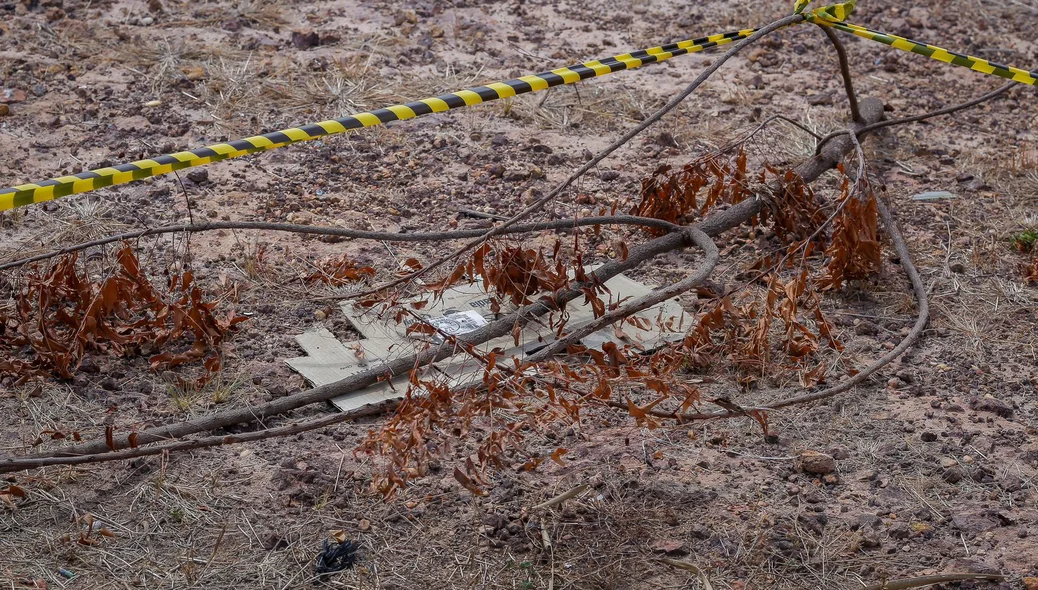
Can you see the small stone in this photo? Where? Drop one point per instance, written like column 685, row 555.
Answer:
column 198, row 175
column 820, row 99
column 928, row 437
column 953, row 474
column 670, row 547
column 947, row 462
column 9, row 95
column 495, row 521
column 496, row 170
column 305, row 40
column 320, row 314
column 609, row 175
column 867, row 521
column 665, row 140
column 905, row 376
column 193, row 73
column 900, row 531
column 4, row 110
column 1030, row 583
column 147, row 21
column 993, row 405
column 870, row 541
column 817, row 463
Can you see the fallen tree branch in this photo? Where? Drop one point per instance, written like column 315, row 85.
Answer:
column 713, row 225
column 558, row 224
column 639, row 254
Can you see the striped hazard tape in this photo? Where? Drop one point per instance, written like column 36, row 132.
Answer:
column 28, row 194
column 933, row 52
column 833, row 15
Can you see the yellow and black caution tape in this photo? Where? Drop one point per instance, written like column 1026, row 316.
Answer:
column 937, row 53
column 833, row 16
column 28, row 194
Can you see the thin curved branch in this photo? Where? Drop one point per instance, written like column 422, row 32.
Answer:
column 713, row 256
column 188, row 445
column 352, row 233
column 845, row 71
column 558, row 190
column 734, row 144
column 918, row 288
column 915, row 119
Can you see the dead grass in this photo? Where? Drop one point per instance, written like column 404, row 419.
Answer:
column 224, row 518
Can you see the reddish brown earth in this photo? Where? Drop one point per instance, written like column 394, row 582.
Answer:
column 935, row 458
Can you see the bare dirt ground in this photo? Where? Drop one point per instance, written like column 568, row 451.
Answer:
column 936, row 457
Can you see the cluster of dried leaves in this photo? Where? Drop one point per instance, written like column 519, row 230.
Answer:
column 771, row 327
column 62, row 314
column 678, row 196
column 339, row 270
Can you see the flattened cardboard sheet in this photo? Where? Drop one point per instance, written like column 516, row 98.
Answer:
column 463, row 309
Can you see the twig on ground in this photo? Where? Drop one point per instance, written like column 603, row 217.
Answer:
column 915, row 119
column 559, row 224
column 561, row 497
column 845, row 71
column 931, row 580
column 11, row 465
column 684, row 565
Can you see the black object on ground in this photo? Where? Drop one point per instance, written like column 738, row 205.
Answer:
column 335, row 557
